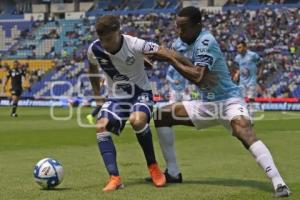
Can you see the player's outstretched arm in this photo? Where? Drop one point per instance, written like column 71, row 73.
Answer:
column 196, row 74
column 5, row 83
column 235, row 75
column 260, row 71
column 96, row 83
column 148, row 63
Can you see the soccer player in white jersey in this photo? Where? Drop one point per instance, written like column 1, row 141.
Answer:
column 121, row 57
column 221, row 102
column 248, row 70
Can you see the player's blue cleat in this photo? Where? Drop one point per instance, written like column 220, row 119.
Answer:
column 90, row 119
column 282, row 191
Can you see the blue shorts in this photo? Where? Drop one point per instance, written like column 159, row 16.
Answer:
column 117, row 111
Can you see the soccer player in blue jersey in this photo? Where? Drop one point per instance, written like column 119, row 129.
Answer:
column 121, row 57
column 248, row 71
column 220, row 103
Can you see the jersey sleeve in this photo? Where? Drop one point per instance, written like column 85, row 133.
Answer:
column 143, row 46
column 91, row 56
column 206, row 52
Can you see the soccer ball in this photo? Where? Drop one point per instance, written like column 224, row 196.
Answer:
column 48, row 173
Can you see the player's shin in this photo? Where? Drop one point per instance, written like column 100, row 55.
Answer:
column 144, row 137
column 14, row 107
column 108, row 152
column 264, row 158
column 166, row 141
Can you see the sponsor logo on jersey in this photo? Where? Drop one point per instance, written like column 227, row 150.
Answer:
column 130, row 60
column 202, row 50
column 205, row 42
column 205, row 59
column 121, row 81
column 103, row 61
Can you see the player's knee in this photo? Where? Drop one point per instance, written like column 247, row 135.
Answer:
column 243, row 131
column 137, row 123
column 101, row 126
column 247, row 137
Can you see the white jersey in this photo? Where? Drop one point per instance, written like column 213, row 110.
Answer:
column 124, row 70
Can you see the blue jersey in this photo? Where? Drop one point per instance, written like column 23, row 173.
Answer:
column 172, row 76
column 205, row 51
column 248, row 67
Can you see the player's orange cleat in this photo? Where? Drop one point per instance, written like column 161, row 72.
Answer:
column 157, row 176
column 113, row 184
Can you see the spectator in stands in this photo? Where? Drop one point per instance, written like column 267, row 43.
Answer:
column 161, row 3
column 274, row 34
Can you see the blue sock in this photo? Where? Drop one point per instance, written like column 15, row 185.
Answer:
column 145, row 139
column 108, row 152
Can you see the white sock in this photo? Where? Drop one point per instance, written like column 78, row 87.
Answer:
column 166, row 141
column 264, row 158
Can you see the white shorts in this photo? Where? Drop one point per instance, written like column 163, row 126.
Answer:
column 207, row 114
column 249, row 92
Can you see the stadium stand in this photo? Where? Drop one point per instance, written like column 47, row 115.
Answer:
column 273, row 33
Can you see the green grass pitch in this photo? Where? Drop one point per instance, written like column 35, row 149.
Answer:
column 214, row 165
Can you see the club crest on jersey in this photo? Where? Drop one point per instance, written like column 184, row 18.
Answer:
column 130, row 60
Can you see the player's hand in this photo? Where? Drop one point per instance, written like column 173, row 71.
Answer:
column 148, row 63
column 161, row 54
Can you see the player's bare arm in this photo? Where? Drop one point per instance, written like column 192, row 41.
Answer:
column 196, row 74
column 96, row 82
column 5, row 83
column 148, row 63
column 236, row 74
column 260, row 71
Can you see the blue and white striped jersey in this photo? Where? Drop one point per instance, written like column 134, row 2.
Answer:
column 124, row 70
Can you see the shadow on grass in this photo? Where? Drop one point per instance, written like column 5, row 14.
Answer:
column 260, row 185
column 56, row 189
column 264, row 186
